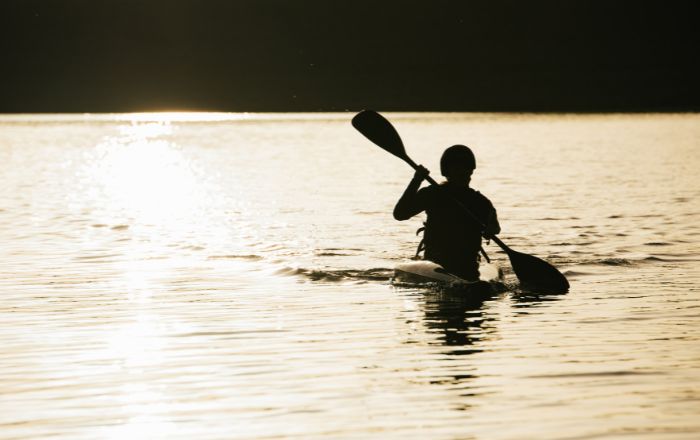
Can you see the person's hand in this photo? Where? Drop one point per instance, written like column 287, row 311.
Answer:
column 421, row 173
column 492, row 228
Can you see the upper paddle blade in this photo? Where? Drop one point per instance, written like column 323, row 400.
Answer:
column 537, row 273
column 380, row 131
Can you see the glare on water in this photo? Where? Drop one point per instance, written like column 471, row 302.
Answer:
column 179, row 275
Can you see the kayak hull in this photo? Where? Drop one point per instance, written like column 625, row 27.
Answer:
column 424, row 271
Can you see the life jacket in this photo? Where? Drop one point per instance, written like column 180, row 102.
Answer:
column 421, row 245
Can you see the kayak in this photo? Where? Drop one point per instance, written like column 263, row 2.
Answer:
column 424, row 271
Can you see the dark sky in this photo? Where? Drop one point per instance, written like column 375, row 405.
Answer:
column 329, row 55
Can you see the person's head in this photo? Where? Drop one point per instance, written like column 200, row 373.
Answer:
column 457, row 164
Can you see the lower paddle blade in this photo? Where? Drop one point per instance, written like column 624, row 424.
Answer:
column 537, row 274
column 377, row 129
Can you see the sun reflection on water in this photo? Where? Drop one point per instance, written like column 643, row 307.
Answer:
column 143, row 184
column 145, row 176
column 138, row 349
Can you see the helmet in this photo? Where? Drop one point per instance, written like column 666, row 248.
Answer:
column 458, row 157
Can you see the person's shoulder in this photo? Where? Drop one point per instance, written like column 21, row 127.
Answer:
column 481, row 198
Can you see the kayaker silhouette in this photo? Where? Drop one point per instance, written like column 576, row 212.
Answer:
column 449, row 241
column 451, row 238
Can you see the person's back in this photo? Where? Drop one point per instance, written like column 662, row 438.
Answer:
column 452, row 237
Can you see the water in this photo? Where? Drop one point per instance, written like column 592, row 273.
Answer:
column 227, row 276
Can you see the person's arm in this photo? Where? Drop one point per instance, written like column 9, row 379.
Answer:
column 492, row 225
column 410, row 203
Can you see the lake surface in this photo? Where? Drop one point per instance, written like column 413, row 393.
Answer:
column 218, row 276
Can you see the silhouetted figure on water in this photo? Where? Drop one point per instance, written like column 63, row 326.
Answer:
column 451, row 238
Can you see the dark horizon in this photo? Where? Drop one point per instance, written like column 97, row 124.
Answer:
column 311, row 55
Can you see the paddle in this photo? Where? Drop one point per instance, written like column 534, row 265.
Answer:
column 529, row 269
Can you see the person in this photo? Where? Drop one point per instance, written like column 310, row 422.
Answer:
column 452, row 237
